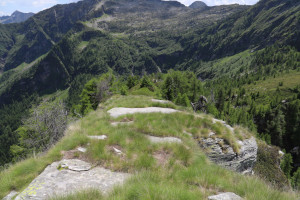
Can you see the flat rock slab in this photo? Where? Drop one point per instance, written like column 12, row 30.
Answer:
column 81, row 149
column 160, row 101
column 53, row 181
column 11, row 195
column 121, row 123
column 155, row 139
column 75, row 165
column 225, row 196
column 117, row 151
column 116, row 112
column 97, row 137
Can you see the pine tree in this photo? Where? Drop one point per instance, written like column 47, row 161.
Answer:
column 296, row 179
column 286, row 165
column 168, row 88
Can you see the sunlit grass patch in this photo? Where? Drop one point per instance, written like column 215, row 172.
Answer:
column 83, row 195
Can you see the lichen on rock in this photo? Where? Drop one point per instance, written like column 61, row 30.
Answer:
column 224, row 155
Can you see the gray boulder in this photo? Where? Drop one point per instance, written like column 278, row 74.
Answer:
column 225, row 196
column 70, row 176
column 224, row 155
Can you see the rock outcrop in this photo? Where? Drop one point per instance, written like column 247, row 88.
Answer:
column 68, row 176
column 116, row 112
column 155, row 139
column 224, row 155
column 225, row 196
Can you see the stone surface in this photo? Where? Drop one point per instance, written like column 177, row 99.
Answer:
column 281, row 153
column 11, row 195
column 224, row 155
column 160, row 101
column 225, row 196
column 75, row 165
column 155, row 139
column 121, row 123
column 54, row 181
column 97, row 137
column 116, row 112
column 81, row 149
column 117, row 151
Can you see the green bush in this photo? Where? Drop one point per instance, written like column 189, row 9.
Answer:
column 182, row 100
column 296, row 179
column 267, row 166
column 147, row 83
column 286, row 165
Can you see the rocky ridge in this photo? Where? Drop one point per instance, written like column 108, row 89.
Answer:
column 71, row 175
column 216, row 148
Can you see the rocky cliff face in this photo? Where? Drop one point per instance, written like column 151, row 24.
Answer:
column 223, row 154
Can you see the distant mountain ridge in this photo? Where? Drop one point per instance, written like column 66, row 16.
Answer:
column 16, row 17
column 182, row 36
column 198, row 4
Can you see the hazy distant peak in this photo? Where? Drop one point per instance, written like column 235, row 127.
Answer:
column 15, row 17
column 198, row 4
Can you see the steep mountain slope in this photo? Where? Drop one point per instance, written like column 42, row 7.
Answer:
column 263, row 24
column 37, row 35
column 152, row 22
column 16, row 17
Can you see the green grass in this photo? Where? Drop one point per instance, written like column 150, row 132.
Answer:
column 226, row 66
column 269, row 86
column 84, row 195
column 82, row 45
column 185, row 173
column 135, row 101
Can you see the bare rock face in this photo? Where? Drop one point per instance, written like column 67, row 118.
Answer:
column 225, row 196
column 97, row 137
column 11, row 195
column 69, row 176
column 75, row 165
column 224, row 155
column 155, row 139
